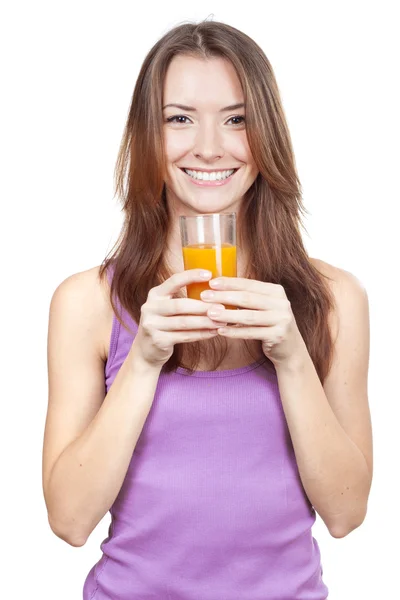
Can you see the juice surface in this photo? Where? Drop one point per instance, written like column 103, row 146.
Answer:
column 203, row 256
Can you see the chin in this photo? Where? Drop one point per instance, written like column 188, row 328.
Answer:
column 205, row 207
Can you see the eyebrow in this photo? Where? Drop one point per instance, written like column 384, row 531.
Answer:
column 192, row 109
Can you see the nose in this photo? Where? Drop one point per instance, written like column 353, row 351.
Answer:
column 208, row 144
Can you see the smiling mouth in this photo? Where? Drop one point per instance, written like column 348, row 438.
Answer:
column 209, row 173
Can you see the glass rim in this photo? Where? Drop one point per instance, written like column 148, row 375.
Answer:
column 207, row 215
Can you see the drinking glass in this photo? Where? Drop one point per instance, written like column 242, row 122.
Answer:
column 209, row 242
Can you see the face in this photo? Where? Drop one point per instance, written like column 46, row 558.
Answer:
column 205, row 138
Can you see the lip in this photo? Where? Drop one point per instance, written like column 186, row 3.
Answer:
column 209, row 170
column 214, row 183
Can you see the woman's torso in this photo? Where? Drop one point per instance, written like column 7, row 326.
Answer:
column 212, row 504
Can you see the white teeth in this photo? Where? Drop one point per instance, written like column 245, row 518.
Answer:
column 215, row 175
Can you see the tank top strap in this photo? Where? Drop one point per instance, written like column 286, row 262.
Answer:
column 127, row 318
column 120, row 339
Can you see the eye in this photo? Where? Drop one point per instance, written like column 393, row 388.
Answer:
column 172, row 119
column 175, row 119
column 238, row 117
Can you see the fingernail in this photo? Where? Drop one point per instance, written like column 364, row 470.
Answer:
column 216, row 282
column 205, row 274
column 215, row 312
column 207, row 294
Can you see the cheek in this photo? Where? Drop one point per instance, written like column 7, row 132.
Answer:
column 249, row 157
column 176, row 145
column 239, row 148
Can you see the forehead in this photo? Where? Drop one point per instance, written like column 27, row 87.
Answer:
column 211, row 83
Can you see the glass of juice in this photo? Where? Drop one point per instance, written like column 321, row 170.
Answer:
column 209, row 242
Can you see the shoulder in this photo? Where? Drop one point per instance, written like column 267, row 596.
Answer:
column 339, row 279
column 86, row 298
column 349, row 294
column 336, row 274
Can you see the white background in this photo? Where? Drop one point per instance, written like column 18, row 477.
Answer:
column 68, row 73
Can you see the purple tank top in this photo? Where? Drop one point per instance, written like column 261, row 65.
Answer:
column 212, row 506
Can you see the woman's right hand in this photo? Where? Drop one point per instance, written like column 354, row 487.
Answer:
column 166, row 321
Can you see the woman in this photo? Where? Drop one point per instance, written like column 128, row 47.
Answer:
column 213, row 448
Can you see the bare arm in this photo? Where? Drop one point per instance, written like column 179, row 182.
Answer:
column 330, row 425
column 89, row 439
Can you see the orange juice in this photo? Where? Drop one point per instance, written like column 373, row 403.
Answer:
column 203, row 256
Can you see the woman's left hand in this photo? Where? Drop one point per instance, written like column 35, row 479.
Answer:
column 266, row 315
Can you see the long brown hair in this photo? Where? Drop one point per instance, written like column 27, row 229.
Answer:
column 270, row 215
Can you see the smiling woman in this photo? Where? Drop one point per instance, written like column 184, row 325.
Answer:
column 225, row 148
column 212, row 466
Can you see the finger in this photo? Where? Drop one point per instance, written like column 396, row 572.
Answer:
column 248, row 333
column 178, row 280
column 183, row 337
column 245, row 299
column 181, row 323
column 179, row 306
column 252, row 318
column 165, row 340
column 252, row 285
